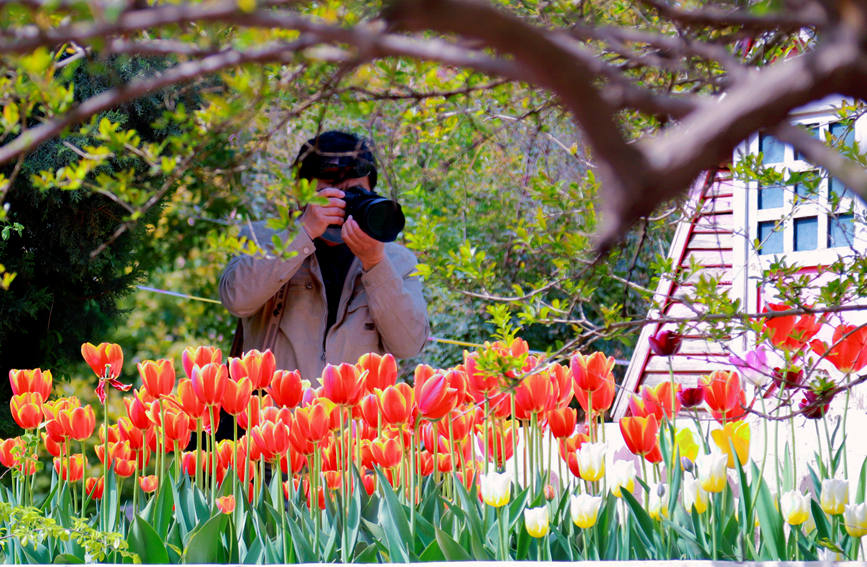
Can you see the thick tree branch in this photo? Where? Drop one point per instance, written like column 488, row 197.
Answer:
column 811, row 16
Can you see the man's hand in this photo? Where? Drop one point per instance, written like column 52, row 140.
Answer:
column 368, row 249
column 316, row 218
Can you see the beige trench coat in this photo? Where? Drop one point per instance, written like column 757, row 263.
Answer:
column 381, row 310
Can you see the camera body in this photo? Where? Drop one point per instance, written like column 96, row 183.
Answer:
column 379, row 217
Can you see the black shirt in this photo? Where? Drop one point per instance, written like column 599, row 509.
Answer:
column 334, row 262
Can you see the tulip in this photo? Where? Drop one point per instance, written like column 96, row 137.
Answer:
column 27, row 409
column 286, row 388
column 136, row 410
column 381, row 371
column 589, row 373
column 71, row 469
column 94, row 487
column 834, row 495
column 562, row 421
column 690, row 397
column 712, row 471
column 236, row 396
column 694, row 496
column 536, row 521
column 312, row 422
column 199, row 356
column 434, row 396
column 584, row 509
column 686, row 443
column 11, row 451
column 795, row 507
column 855, row 519
column 157, row 376
column 591, row 461
column 639, row 433
column 656, row 507
column 259, row 367
column 31, row 381
column 342, row 384
column 396, row 403
column 226, row 504
column 272, row 439
column 148, row 483
column 535, row 394
column 724, row 396
column 106, row 360
column 209, row 382
column 52, row 445
column 602, row 398
column 848, row 350
column 386, row 452
column 499, row 438
column 662, row 397
column 815, row 405
column 496, row 488
column 78, row 423
column 735, row 434
column 790, row 332
column 481, row 383
column 665, row 342
column 754, row 368
column 621, row 476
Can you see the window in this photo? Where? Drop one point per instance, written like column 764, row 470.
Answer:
column 814, row 212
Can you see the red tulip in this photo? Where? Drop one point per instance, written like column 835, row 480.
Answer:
column 535, row 394
column 790, row 332
column 258, row 366
column 148, row 483
column 27, row 410
column 386, row 452
column 53, row 446
column 562, row 377
column 570, row 445
column 189, row 401
column 724, row 396
column 11, row 451
column 199, row 356
column 433, row 395
column 396, row 403
column 381, row 371
column 481, row 383
column 71, row 469
column 226, row 504
column 602, row 398
column 369, row 408
column 312, row 422
column 94, row 487
column 665, row 342
column 562, row 421
column 137, row 410
column 106, row 360
column 286, row 388
column 814, row 405
column 662, row 397
column 640, row 435
column 589, row 373
column 272, row 439
column 342, row 384
column 500, row 447
column 236, row 396
column 31, row 381
column 158, row 376
column 848, row 350
column 209, row 382
column 298, row 462
column 691, row 397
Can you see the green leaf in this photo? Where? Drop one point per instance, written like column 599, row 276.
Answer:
column 394, row 522
column 431, row 553
column 770, row 521
column 644, row 523
column 205, row 542
column 451, row 549
column 68, row 559
column 254, row 553
column 146, row 542
column 302, row 545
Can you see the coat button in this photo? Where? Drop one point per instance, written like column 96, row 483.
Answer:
column 308, row 284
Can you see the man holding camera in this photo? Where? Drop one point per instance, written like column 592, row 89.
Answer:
column 344, row 293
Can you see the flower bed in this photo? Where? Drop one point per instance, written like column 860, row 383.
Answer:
column 459, row 466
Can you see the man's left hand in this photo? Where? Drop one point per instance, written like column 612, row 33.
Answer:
column 368, row 249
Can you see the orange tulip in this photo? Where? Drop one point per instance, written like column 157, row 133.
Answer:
column 481, row 383
column 662, row 397
column 52, row 445
column 176, row 426
column 189, row 401
column 462, row 420
column 286, row 388
column 397, row 403
column 434, row 396
column 500, row 440
column 848, row 350
column 562, row 377
column 252, row 414
column 51, row 410
column 157, row 376
column 313, row 422
column 71, row 469
column 589, row 373
column 78, row 423
column 226, row 504
column 94, row 487
column 27, row 409
column 724, row 396
column 535, row 394
column 11, row 451
column 298, row 462
column 137, row 410
column 342, row 384
column 148, row 483
column 562, row 421
column 236, row 396
column 640, row 435
column 199, row 356
column 272, row 439
column 602, row 398
column 381, row 371
column 209, row 381
column 31, row 381
column 791, row 332
column 258, row 366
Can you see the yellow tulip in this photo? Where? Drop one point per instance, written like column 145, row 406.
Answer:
column 736, row 434
column 795, row 507
column 584, row 509
column 536, row 521
column 686, row 443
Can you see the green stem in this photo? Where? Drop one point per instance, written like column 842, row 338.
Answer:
column 282, row 511
column 84, row 478
column 213, row 456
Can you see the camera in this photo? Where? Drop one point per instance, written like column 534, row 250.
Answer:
column 379, row 217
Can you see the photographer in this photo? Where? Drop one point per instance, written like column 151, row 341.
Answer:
column 344, row 293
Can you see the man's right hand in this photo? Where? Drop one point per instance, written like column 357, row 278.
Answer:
column 317, row 218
